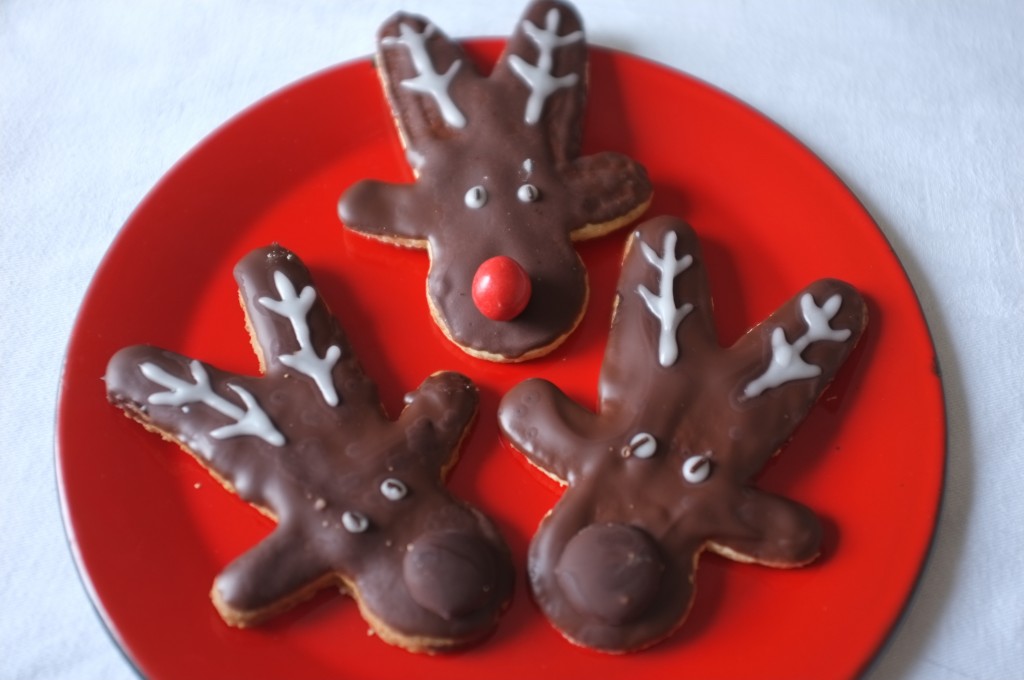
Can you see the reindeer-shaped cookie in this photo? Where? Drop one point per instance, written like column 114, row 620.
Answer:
column 358, row 498
column 501, row 191
column 664, row 469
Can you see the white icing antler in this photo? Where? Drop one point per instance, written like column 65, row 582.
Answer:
column 427, row 80
column 539, row 77
column 251, row 420
column 663, row 305
column 786, row 363
column 305, row 360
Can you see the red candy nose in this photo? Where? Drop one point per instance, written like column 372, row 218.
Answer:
column 501, row 288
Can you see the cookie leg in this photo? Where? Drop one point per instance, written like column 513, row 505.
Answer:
column 770, row 530
column 277, row 573
column 548, row 427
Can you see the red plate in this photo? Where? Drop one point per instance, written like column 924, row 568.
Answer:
column 150, row 529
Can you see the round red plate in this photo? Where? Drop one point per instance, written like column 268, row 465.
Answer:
column 150, row 529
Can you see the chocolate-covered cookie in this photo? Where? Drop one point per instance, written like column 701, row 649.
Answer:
column 665, row 468
column 358, row 497
column 498, row 175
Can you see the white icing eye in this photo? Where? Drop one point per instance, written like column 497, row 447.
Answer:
column 696, row 469
column 393, row 489
column 414, row 158
column 476, row 197
column 355, row 522
column 643, row 445
column 528, row 193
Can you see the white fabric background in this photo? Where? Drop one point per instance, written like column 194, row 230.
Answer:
column 919, row 107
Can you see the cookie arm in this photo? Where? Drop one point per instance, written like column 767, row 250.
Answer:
column 611, row 189
column 385, row 211
column 548, row 427
column 769, row 530
column 437, row 416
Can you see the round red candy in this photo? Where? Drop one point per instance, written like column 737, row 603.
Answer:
column 501, row 288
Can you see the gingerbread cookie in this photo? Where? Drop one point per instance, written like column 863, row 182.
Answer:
column 358, row 497
column 664, row 469
column 498, row 175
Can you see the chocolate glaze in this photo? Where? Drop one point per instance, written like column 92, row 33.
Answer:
column 333, row 461
column 694, row 406
column 579, row 197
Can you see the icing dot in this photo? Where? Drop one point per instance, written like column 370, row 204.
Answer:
column 355, row 522
column 476, row 197
column 528, row 193
column 696, row 469
column 643, row 445
column 393, row 489
column 414, row 158
column 320, row 504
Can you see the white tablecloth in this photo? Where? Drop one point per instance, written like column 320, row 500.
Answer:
column 918, row 106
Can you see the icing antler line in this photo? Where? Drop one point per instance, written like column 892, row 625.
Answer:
column 539, row 78
column 427, row 80
column 786, row 363
column 663, row 305
column 249, row 421
column 306, row 360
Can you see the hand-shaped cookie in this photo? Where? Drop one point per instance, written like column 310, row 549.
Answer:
column 358, row 497
column 664, row 469
column 501, row 191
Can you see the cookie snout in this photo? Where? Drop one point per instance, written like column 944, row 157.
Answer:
column 611, row 572
column 501, row 288
column 450, row 573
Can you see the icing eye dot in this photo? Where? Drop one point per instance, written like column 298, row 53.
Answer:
column 355, row 522
column 696, row 469
column 643, row 445
column 528, row 193
column 476, row 197
column 393, row 489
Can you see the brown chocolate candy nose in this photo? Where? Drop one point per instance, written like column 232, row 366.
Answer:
column 611, row 572
column 450, row 573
